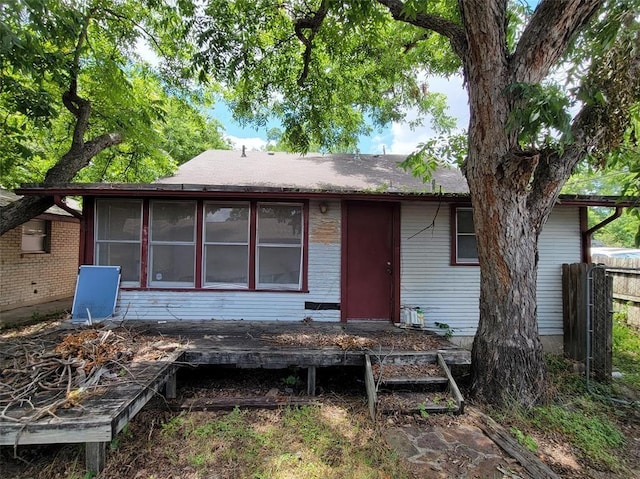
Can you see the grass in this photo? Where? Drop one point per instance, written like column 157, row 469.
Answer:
column 588, row 423
column 312, row 442
column 626, row 352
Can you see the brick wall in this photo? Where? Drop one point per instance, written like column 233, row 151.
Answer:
column 28, row 279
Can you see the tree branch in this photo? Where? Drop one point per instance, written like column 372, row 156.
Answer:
column 555, row 167
column 454, row 32
column 312, row 23
column 597, row 128
column 541, row 46
column 77, row 158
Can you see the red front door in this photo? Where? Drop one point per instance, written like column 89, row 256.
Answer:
column 369, row 261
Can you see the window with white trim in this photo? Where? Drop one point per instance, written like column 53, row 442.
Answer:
column 279, row 246
column 466, row 248
column 118, row 234
column 242, row 245
column 172, row 243
column 36, row 236
column 226, row 245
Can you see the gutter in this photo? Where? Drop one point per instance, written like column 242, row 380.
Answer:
column 586, row 235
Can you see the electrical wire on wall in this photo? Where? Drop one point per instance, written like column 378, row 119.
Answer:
column 430, row 225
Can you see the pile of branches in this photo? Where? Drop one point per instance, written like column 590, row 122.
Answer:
column 42, row 374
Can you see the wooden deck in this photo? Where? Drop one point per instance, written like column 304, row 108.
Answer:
column 280, row 344
column 98, row 419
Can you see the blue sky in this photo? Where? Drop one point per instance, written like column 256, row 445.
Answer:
column 396, row 138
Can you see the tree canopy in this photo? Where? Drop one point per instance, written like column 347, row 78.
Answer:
column 79, row 102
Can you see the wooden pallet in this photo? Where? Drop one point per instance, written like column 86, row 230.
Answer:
column 390, row 380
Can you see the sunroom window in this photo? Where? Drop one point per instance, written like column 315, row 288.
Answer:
column 118, row 232
column 466, row 249
column 226, row 245
column 172, row 243
column 279, row 246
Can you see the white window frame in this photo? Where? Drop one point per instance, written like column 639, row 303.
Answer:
column 459, row 259
column 259, row 247
column 98, row 241
column 205, row 243
column 151, row 281
column 40, row 234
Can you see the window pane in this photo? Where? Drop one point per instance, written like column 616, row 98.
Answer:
column 467, row 248
column 34, row 236
column 125, row 255
column 279, row 265
column 465, row 221
column 226, row 264
column 280, row 224
column 173, row 221
column 118, row 220
column 226, row 224
column 172, row 264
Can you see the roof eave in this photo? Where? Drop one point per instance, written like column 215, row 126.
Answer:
column 223, row 191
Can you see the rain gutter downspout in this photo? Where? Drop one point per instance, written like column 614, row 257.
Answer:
column 57, row 200
column 586, row 235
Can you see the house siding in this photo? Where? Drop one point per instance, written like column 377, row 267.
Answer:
column 449, row 294
column 323, row 284
column 29, row 279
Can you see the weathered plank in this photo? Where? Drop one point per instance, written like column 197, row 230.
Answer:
column 370, row 387
column 533, row 465
column 452, row 385
column 414, row 381
column 95, row 456
column 58, row 432
column 574, row 310
column 170, row 388
column 311, row 381
column 228, row 403
column 280, row 359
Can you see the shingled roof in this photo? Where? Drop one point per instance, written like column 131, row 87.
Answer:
column 325, row 172
column 7, row 197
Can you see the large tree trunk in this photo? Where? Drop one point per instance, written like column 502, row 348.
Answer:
column 507, row 359
column 512, row 191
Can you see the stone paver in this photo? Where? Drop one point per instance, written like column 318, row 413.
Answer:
column 462, row 448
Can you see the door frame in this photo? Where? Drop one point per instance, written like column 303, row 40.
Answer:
column 395, row 254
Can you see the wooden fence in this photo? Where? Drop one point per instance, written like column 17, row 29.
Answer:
column 626, row 285
column 597, row 301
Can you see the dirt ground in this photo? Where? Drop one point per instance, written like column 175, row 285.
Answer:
column 341, row 387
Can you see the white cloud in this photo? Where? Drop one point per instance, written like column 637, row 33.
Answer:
column 253, row 143
column 405, row 139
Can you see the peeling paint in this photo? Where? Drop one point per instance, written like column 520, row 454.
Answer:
column 324, row 227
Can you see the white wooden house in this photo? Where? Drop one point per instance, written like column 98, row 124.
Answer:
column 277, row 236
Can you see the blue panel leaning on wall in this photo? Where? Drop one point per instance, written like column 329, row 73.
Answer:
column 96, row 293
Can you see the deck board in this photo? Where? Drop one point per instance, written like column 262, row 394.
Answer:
column 241, row 344
column 99, row 418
